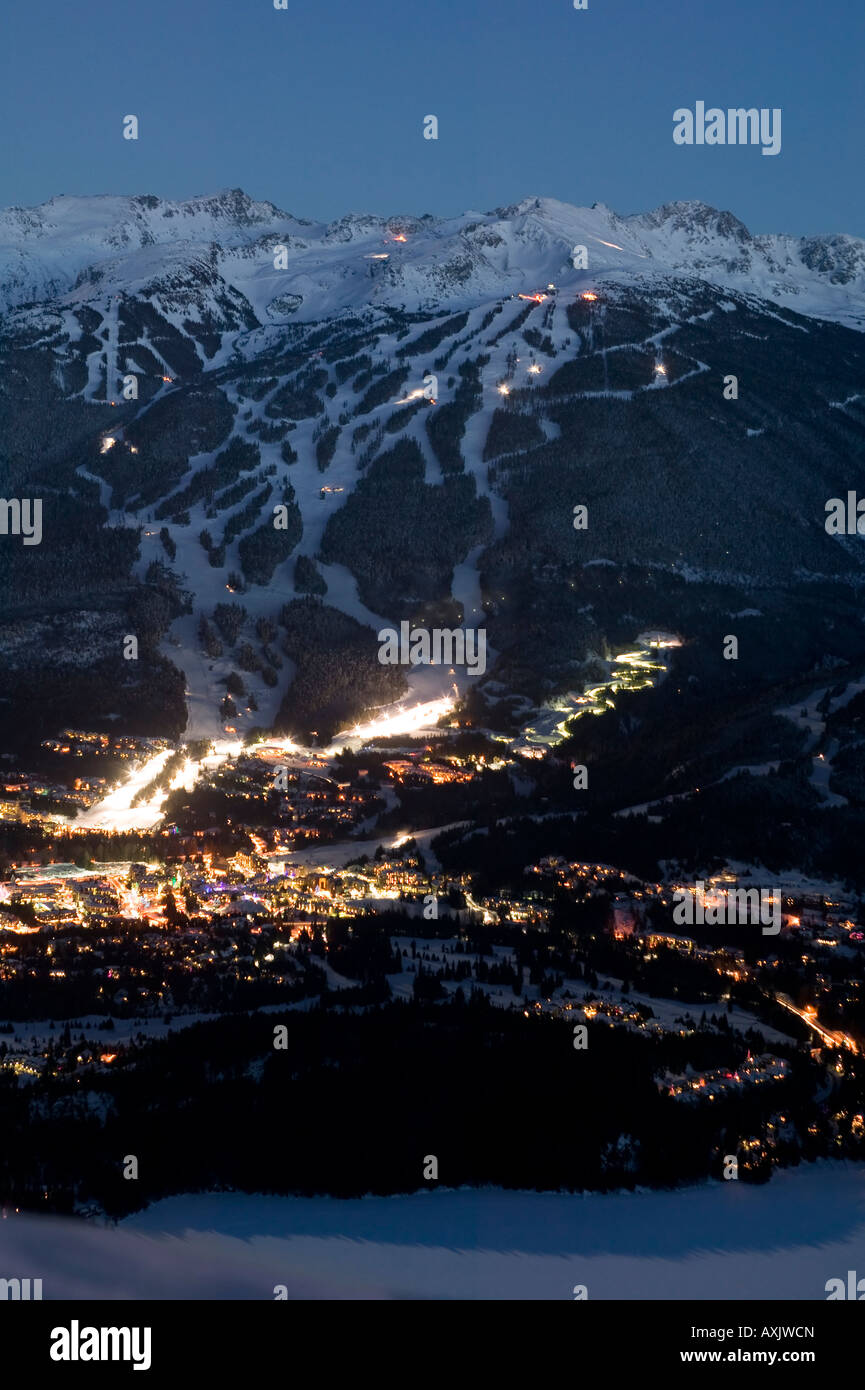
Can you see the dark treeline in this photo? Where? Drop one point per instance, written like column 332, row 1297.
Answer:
column 447, row 423
column 357, row 1099
column 401, row 537
column 338, row 675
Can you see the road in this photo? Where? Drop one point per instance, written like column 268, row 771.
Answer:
column 829, row 1038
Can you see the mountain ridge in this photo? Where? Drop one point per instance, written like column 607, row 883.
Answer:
column 107, row 239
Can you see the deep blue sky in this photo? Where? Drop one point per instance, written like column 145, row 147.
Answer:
column 319, row 108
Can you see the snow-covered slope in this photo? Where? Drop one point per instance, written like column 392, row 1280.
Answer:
column 278, row 363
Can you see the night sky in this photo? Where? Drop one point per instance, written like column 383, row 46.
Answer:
column 320, row 107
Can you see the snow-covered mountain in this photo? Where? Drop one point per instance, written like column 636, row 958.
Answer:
column 279, row 363
column 75, row 244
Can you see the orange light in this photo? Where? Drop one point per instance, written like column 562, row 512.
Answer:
column 588, row 294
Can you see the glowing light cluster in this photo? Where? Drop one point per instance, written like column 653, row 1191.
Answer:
column 401, row 721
